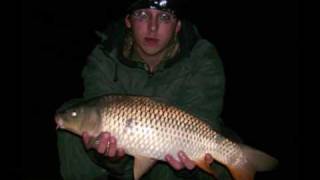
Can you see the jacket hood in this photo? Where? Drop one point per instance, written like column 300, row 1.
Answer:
column 114, row 35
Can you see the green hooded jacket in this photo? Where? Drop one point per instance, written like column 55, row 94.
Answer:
column 192, row 80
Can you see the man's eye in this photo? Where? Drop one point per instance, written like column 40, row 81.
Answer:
column 140, row 15
column 165, row 17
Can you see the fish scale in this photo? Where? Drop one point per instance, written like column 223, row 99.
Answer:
column 151, row 129
column 175, row 130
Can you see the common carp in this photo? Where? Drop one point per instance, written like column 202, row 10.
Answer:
column 148, row 129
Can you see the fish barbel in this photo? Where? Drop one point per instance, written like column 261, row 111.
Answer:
column 148, row 130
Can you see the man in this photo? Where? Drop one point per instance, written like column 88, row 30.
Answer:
column 152, row 53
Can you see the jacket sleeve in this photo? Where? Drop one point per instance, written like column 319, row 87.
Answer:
column 75, row 161
column 99, row 74
column 203, row 92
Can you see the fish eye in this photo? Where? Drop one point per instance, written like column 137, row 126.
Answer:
column 73, row 113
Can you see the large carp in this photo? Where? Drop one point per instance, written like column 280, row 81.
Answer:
column 148, row 130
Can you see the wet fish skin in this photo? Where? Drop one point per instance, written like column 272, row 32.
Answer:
column 149, row 129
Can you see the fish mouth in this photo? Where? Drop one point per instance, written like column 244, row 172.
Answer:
column 59, row 122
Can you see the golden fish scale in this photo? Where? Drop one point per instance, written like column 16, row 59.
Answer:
column 152, row 129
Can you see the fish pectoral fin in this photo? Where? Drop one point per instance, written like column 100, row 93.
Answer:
column 141, row 166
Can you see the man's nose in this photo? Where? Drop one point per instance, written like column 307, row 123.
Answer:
column 153, row 25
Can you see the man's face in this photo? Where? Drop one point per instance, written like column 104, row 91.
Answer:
column 152, row 29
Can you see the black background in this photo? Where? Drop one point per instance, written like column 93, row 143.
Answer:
column 257, row 41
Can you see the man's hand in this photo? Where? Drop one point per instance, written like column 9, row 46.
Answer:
column 103, row 144
column 184, row 161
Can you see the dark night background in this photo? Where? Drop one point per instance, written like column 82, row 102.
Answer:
column 257, row 41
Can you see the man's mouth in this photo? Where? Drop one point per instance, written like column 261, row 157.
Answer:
column 151, row 41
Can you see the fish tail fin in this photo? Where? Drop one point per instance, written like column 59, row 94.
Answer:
column 256, row 161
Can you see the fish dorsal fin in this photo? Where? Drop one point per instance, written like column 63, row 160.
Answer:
column 141, row 166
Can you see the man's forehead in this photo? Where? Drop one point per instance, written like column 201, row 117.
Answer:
column 162, row 5
column 152, row 10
